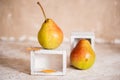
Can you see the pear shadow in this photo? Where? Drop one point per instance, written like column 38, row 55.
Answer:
column 20, row 65
column 72, row 67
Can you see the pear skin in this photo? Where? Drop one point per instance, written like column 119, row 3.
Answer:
column 82, row 56
column 50, row 35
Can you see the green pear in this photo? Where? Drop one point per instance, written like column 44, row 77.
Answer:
column 50, row 36
column 82, row 56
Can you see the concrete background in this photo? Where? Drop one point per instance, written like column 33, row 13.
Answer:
column 22, row 19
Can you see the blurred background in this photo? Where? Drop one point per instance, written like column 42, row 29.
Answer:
column 21, row 19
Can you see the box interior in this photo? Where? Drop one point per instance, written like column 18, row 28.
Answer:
column 48, row 62
column 76, row 40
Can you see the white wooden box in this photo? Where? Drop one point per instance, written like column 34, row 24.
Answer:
column 48, row 59
column 76, row 36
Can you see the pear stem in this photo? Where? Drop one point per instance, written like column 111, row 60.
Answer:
column 42, row 9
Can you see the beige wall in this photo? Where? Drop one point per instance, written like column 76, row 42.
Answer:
column 24, row 18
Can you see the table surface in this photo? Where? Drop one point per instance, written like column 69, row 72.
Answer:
column 15, row 63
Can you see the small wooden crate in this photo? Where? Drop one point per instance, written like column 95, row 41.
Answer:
column 76, row 36
column 48, row 60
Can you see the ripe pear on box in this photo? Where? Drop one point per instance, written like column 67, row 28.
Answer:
column 50, row 36
column 82, row 56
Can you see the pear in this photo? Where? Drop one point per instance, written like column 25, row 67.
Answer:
column 82, row 56
column 50, row 36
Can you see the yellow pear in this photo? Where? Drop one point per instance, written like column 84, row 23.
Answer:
column 50, row 36
column 82, row 56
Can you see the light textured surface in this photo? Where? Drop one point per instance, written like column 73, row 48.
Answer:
column 15, row 63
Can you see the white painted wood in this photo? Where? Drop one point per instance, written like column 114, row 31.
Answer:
column 76, row 36
column 48, row 59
